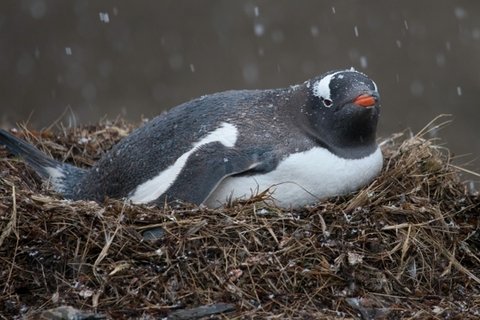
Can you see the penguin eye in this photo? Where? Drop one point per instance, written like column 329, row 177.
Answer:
column 327, row 102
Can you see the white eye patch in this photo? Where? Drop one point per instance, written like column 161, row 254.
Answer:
column 321, row 88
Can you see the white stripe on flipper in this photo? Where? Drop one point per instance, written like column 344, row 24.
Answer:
column 150, row 190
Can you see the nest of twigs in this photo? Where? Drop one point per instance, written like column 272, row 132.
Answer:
column 406, row 246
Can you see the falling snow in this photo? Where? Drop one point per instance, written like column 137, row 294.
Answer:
column 459, row 91
column 259, row 29
column 363, row 62
column 416, row 88
column 68, row 51
column 104, row 17
column 460, row 13
column 38, row 9
column 355, row 30
column 440, row 59
column 250, row 73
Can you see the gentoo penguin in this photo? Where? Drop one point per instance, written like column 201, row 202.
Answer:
column 302, row 143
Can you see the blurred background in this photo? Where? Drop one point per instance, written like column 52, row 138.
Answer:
column 92, row 59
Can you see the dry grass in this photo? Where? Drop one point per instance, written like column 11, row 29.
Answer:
column 406, row 246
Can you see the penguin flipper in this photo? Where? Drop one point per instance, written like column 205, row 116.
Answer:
column 61, row 175
column 205, row 170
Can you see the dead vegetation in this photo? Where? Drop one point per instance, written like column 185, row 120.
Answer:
column 406, row 246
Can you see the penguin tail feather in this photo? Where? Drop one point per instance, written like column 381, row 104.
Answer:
column 63, row 177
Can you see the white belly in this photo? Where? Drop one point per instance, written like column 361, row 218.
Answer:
column 303, row 178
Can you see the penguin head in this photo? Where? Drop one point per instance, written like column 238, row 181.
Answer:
column 342, row 109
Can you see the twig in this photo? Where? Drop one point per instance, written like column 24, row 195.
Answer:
column 11, row 227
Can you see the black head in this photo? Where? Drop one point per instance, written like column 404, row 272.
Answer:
column 341, row 112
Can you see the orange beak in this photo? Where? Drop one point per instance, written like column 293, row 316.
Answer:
column 365, row 100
